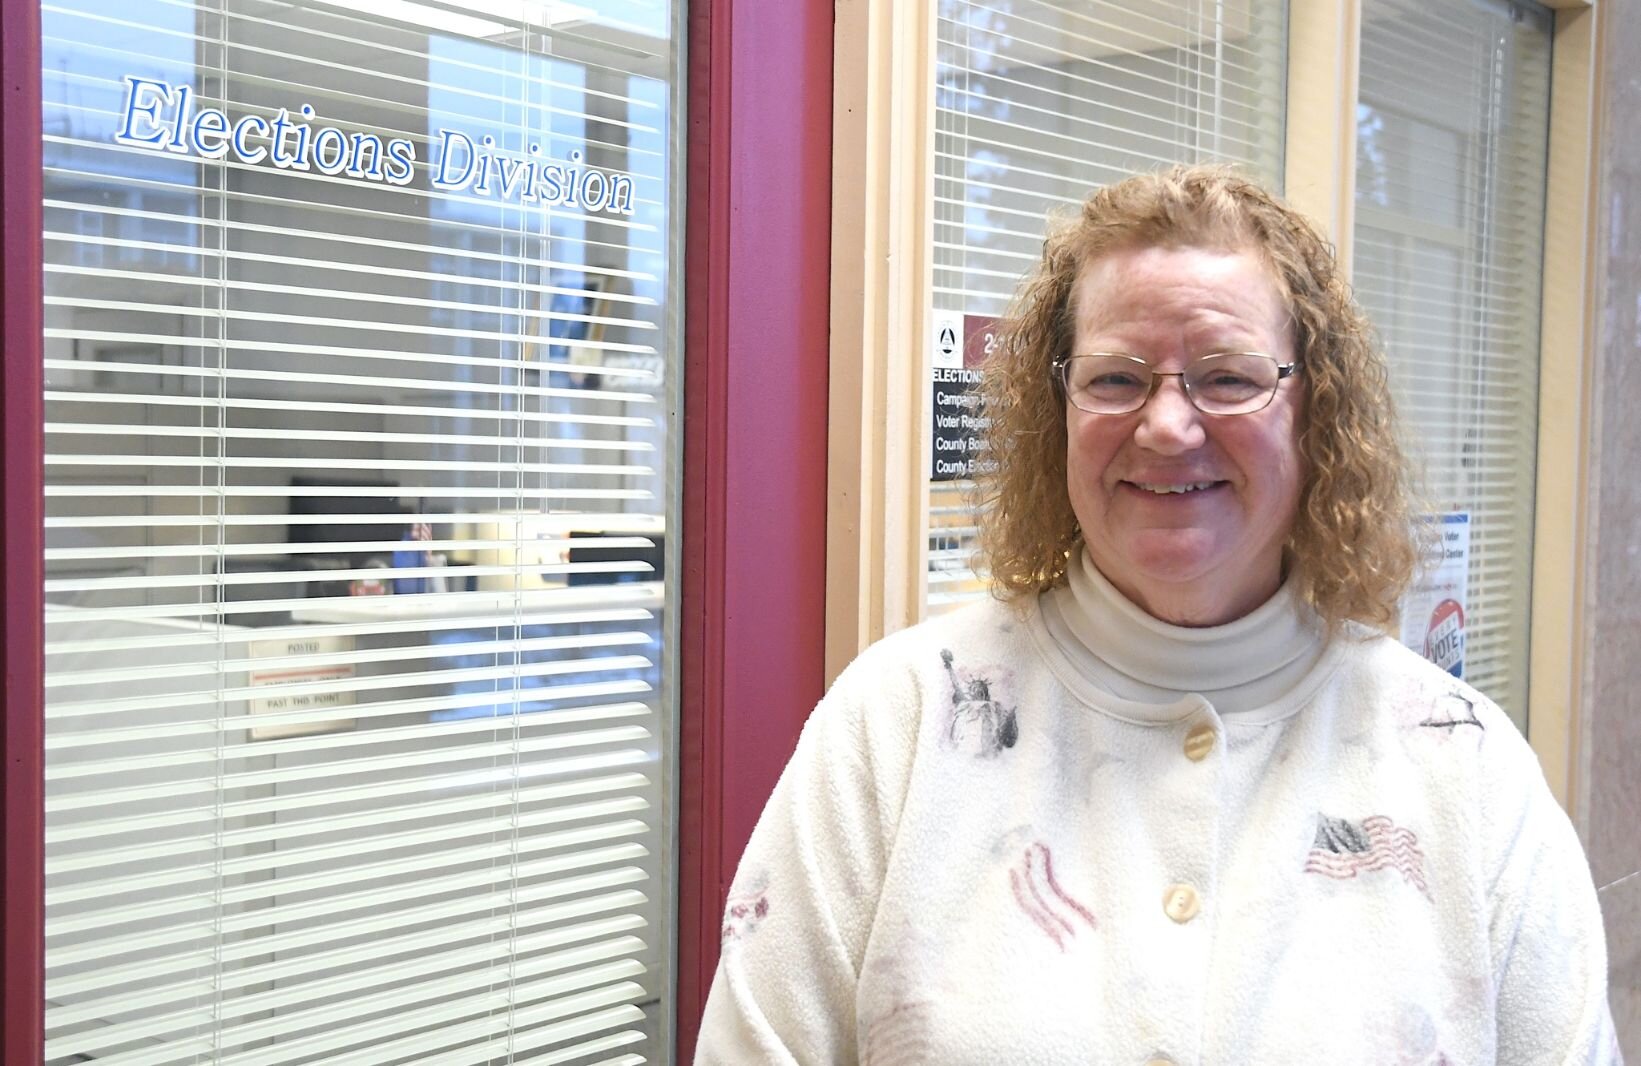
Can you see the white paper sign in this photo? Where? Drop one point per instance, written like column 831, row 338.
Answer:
column 281, row 672
column 946, row 339
column 1434, row 610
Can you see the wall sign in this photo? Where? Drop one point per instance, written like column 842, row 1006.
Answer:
column 961, row 343
column 162, row 117
column 307, row 696
column 1433, row 611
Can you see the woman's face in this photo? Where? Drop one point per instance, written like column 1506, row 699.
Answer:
column 1213, row 553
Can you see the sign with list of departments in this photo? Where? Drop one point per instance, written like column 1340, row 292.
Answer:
column 961, row 343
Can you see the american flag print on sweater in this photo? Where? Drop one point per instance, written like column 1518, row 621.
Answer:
column 1343, row 849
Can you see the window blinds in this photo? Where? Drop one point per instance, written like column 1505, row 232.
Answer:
column 360, row 346
column 1452, row 126
column 1036, row 104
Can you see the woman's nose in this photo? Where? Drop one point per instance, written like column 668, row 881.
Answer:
column 1169, row 423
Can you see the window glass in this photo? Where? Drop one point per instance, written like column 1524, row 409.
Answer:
column 1452, row 129
column 1036, row 104
column 360, row 343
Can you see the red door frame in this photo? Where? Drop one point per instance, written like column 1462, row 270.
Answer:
column 757, row 307
column 752, row 619
column 22, row 532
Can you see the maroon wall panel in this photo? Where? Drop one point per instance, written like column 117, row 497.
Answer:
column 21, row 617
column 757, row 312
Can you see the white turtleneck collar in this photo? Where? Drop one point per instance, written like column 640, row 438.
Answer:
column 1248, row 664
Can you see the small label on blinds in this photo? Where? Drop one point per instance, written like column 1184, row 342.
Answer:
column 961, row 344
column 286, row 667
column 1433, row 611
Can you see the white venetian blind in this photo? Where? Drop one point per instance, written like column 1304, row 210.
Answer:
column 1040, row 102
column 1452, row 124
column 357, row 504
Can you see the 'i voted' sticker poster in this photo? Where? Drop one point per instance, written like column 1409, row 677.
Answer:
column 1433, row 612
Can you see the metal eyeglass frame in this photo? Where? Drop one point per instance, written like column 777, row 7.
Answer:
column 1059, row 366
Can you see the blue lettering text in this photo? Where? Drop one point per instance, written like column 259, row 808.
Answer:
column 213, row 124
column 401, row 161
column 448, row 177
column 240, row 148
column 135, row 90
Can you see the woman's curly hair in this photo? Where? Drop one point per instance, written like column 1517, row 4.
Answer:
column 1353, row 547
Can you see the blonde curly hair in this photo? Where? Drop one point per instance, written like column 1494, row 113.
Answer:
column 1353, row 546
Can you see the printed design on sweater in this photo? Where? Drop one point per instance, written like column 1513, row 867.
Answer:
column 899, row 1036
column 979, row 724
column 1050, row 907
column 745, row 910
column 1343, row 849
column 1451, row 711
column 1434, row 709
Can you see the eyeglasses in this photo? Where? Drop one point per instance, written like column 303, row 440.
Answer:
column 1230, row 383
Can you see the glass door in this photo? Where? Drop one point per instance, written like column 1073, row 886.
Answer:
column 361, row 343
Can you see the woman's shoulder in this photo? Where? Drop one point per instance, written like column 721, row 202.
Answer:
column 1452, row 725
column 872, row 716
column 1443, row 744
column 1391, row 670
column 982, row 629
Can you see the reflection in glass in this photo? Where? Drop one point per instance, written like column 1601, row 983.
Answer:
column 357, row 510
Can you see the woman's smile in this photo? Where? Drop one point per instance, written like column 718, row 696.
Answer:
column 1172, row 488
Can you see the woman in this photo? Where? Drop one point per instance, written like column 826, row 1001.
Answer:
column 1176, row 797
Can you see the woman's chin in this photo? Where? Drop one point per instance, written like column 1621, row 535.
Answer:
column 1177, row 556
column 1181, row 580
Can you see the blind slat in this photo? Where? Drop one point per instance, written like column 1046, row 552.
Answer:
column 160, row 946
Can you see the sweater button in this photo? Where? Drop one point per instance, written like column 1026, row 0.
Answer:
column 1199, row 742
column 1181, row 903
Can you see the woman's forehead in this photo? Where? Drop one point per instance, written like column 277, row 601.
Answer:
column 1185, row 288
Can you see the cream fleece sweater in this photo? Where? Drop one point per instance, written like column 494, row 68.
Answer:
column 1084, row 836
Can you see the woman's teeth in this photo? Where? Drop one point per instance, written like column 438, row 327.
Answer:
column 1163, row 489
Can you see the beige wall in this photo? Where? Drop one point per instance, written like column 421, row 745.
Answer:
column 1610, row 778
